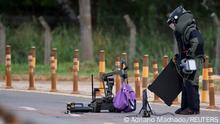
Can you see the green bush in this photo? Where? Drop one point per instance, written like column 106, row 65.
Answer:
column 22, row 39
column 67, row 38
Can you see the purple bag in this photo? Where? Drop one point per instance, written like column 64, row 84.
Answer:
column 125, row 99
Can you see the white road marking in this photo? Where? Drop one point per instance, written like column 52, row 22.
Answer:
column 85, row 96
column 28, row 108
column 108, row 123
column 75, row 115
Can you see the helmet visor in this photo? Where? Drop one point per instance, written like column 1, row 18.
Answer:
column 169, row 21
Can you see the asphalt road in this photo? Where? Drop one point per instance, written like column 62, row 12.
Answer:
column 41, row 108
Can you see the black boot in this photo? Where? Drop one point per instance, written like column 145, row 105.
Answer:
column 188, row 111
column 178, row 111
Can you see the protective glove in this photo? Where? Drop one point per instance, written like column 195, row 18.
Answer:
column 190, row 53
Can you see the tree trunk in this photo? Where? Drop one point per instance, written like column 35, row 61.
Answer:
column 218, row 51
column 132, row 45
column 217, row 57
column 65, row 4
column 86, row 42
column 47, row 40
column 2, row 43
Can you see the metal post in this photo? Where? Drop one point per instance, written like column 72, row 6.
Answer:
column 117, row 76
column 75, row 72
column 211, row 89
column 145, row 72
column 137, row 79
column 53, row 66
column 101, row 68
column 155, row 74
column 125, row 57
column 205, row 75
column 32, row 62
column 8, row 67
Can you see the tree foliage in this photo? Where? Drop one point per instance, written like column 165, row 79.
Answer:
column 149, row 17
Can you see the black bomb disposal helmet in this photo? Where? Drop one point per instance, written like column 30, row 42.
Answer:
column 174, row 16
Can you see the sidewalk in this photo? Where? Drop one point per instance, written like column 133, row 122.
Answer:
column 65, row 87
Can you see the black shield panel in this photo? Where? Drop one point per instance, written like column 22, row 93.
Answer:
column 168, row 84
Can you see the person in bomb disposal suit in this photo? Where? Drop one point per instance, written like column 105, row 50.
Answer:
column 190, row 46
